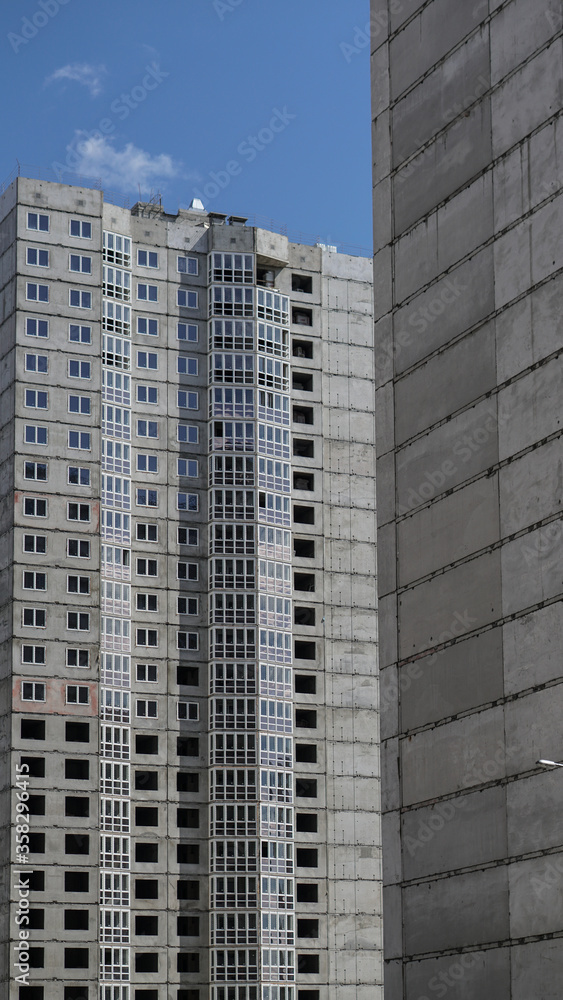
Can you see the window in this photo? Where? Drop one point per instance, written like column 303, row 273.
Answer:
column 147, row 327
column 33, row 654
column 36, row 363
column 37, row 258
column 38, row 222
column 188, row 536
column 146, row 709
column 78, row 512
column 188, row 331
column 78, row 584
column 78, row 476
column 35, row 470
column 36, row 327
column 147, row 258
column 79, row 404
column 147, row 672
column 36, row 399
column 77, row 694
column 187, row 265
column 147, row 463
column 35, row 543
column 34, row 581
column 188, row 501
column 187, row 640
column 34, row 617
column 187, row 366
column 79, row 369
column 145, row 359
column 147, row 498
column 147, row 293
column 147, row 428
column 79, row 439
column 301, row 283
column 79, row 298
column 147, row 567
column 34, row 507
column 78, row 548
column 37, row 293
column 188, row 433
column 147, row 394
column 77, row 657
column 78, row 620
column 32, row 691
column 188, row 400
column 80, row 334
column 81, row 229
column 188, row 467
column 188, row 606
column 188, row 711
column 187, row 571
column 147, row 532
column 147, row 602
column 79, row 263
column 187, row 299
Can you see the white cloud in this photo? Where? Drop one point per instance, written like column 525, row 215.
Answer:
column 126, row 169
column 88, row 76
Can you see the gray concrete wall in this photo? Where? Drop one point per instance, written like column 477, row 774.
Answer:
column 467, row 272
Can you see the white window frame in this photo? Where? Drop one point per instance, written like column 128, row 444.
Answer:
column 187, row 711
column 38, row 323
column 38, row 228
column 39, row 690
column 81, row 235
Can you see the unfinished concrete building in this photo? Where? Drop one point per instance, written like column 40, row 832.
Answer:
column 468, row 335
column 190, row 787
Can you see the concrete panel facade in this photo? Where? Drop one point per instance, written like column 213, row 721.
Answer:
column 468, row 286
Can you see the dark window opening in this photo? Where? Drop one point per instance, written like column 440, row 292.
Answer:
column 302, row 381
column 305, row 582
column 308, row 964
column 187, row 676
column 35, row 767
column 37, row 843
column 36, row 958
column 145, row 853
column 77, row 770
column 187, row 961
column 305, row 684
column 146, row 924
column 187, row 781
column 31, row 993
column 187, row 889
column 76, row 805
column 76, row 958
column 303, row 548
column 304, row 616
column 146, row 816
column 308, row 995
column 306, row 753
column 36, row 920
column 188, row 818
column 305, row 718
column 77, row 732
column 76, row 920
column 187, row 926
column 145, row 745
column 303, row 415
column 146, row 888
column 303, row 448
column 303, row 317
column 306, row 822
column 187, row 854
column 146, row 780
column 77, row 843
column 187, row 746
column 307, row 857
column 32, row 729
column 36, row 805
column 305, row 650
column 302, row 283
column 77, row 881
column 307, row 892
column 146, row 961
column 306, row 788
column 76, row 992
column 303, row 481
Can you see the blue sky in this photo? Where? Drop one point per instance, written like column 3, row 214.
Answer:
column 259, row 108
